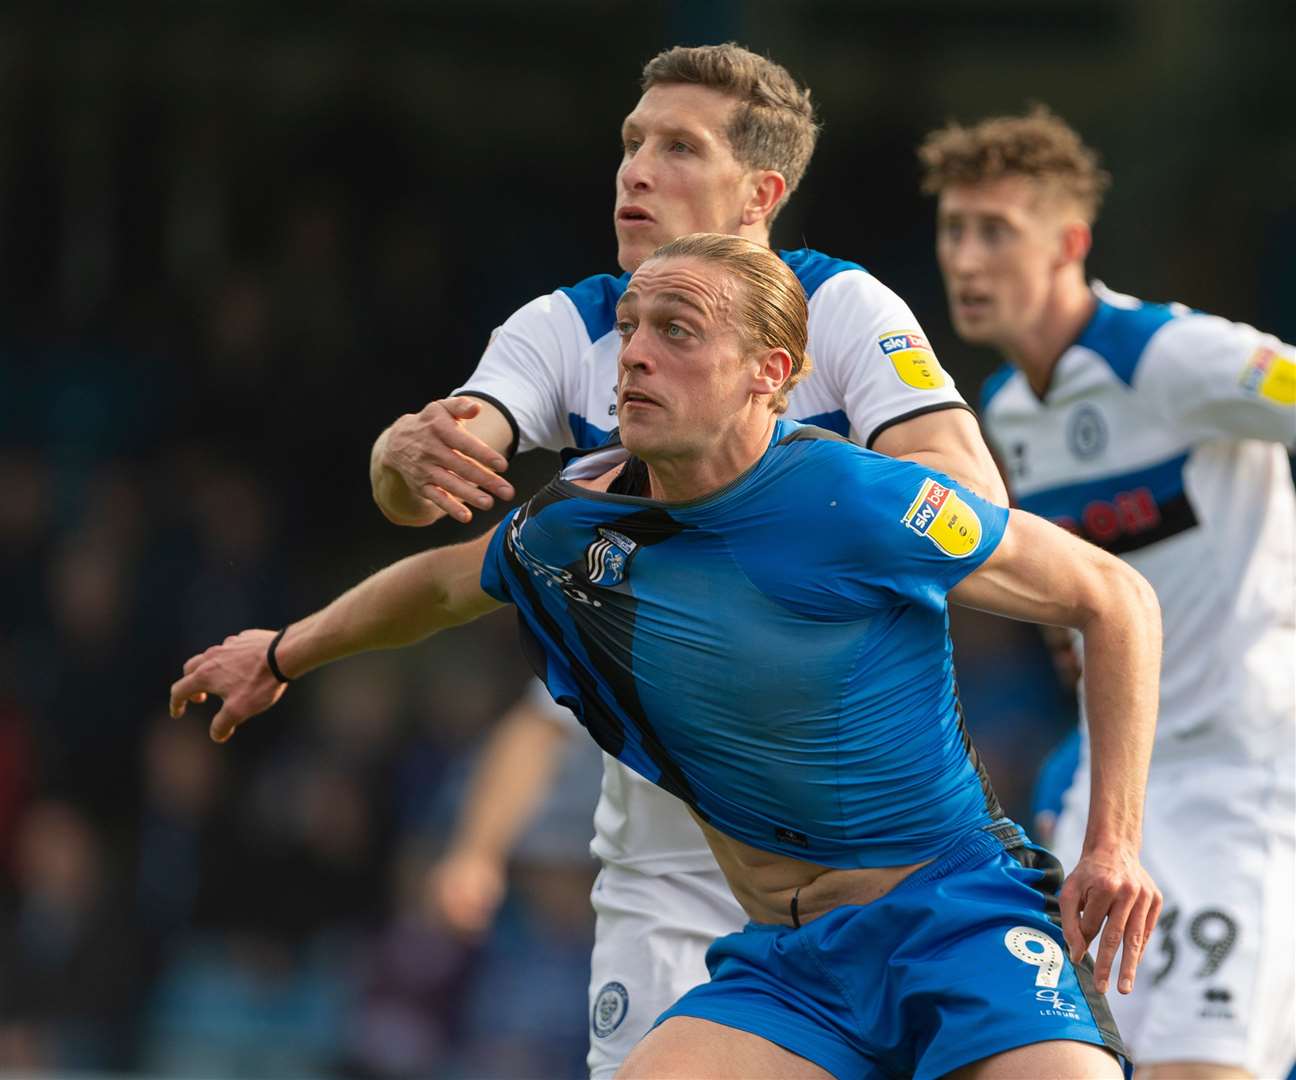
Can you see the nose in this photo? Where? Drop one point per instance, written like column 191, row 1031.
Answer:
column 635, row 174
column 960, row 254
column 635, row 353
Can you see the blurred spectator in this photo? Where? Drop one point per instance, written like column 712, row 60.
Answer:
column 69, row 957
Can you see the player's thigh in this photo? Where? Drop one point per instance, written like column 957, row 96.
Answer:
column 1216, row 984
column 689, row 1048
column 1057, row 1060
column 650, row 941
column 1191, row 1070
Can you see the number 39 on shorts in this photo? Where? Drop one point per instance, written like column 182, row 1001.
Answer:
column 1036, row 948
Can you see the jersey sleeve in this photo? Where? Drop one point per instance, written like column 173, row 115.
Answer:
column 1214, row 378
column 494, row 577
column 525, row 367
column 868, row 347
column 916, row 535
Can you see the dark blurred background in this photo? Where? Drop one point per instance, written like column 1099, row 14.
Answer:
column 236, row 241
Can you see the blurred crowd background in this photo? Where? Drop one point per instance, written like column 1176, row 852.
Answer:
column 237, row 240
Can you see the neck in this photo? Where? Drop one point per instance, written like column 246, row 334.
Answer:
column 1066, row 312
column 691, row 476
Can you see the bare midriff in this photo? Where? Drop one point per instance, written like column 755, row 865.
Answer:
column 765, row 883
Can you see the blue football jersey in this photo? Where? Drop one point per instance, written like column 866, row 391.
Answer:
column 776, row 654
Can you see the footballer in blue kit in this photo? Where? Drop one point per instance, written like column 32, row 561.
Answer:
column 752, row 614
column 823, row 753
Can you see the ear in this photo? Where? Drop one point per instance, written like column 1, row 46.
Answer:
column 770, row 187
column 1077, row 239
column 771, row 369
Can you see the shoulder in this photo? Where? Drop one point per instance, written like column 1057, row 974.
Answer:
column 595, row 300
column 996, row 382
column 1123, row 327
column 834, row 461
column 814, row 269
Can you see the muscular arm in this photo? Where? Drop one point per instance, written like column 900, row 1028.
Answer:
column 949, row 441
column 397, row 606
column 441, row 460
column 1039, row 573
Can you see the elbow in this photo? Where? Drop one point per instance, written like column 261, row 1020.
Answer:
column 1121, row 594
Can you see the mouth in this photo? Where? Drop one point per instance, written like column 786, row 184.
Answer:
column 972, row 303
column 636, row 399
column 630, row 216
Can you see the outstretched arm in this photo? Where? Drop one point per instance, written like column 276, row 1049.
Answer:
column 1040, row 573
column 397, row 606
column 441, row 460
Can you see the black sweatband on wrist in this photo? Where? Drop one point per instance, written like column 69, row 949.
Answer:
column 271, row 662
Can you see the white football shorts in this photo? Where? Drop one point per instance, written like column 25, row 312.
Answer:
column 650, row 941
column 1219, row 976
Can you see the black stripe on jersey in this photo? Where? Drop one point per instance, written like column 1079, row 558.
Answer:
column 1034, row 858
column 1176, row 515
column 611, row 650
column 987, row 788
column 913, row 415
column 601, row 722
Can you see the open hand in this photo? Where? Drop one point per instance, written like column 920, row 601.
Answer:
column 1109, row 891
column 444, row 467
column 237, row 673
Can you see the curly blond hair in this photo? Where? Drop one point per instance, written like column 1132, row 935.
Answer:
column 1039, row 145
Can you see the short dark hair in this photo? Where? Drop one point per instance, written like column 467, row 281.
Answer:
column 773, row 126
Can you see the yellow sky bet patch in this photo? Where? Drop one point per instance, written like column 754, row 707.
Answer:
column 912, row 359
column 1271, row 376
column 946, row 520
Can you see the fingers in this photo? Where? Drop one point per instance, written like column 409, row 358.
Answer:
column 1069, row 905
column 185, row 690
column 1136, row 937
column 461, row 439
column 1113, row 934
column 443, row 482
column 224, row 724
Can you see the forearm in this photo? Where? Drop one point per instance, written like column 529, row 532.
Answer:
column 397, row 606
column 1122, row 651
column 511, row 779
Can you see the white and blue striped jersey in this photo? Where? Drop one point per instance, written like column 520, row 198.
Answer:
column 1162, row 438
column 553, row 364
column 552, row 367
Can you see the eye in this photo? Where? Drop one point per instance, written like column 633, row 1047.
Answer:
column 629, row 146
column 679, row 147
column 674, row 330
column 624, row 328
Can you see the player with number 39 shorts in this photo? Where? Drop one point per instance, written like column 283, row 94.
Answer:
column 1159, row 433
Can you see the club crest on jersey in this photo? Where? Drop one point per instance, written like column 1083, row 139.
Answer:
column 912, row 359
column 607, row 559
column 1271, row 376
column 946, row 520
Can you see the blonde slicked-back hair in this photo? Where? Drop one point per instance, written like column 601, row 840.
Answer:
column 773, row 125
column 1040, row 146
column 772, row 311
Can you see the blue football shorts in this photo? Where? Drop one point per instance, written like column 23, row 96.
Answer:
column 961, row 960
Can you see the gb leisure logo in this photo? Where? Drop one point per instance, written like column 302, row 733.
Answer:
column 946, row 520
column 912, row 359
